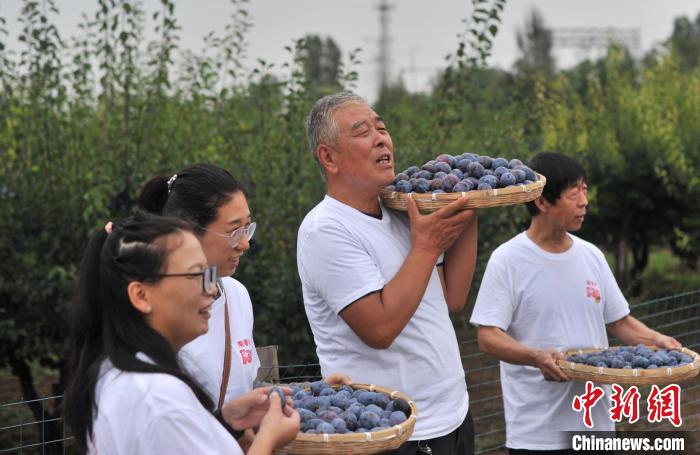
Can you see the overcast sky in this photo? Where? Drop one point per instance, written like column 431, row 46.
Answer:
column 422, row 32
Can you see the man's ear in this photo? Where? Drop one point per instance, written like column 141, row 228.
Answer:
column 139, row 297
column 542, row 204
column 327, row 159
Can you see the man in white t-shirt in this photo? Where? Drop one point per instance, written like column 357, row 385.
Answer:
column 547, row 291
column 378, row 287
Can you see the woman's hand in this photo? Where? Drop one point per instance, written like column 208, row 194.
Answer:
column 249, row 410
column 278, row 427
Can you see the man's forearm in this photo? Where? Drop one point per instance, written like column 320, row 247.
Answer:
column 379, row 318
column 631, row 331
column 497, row 343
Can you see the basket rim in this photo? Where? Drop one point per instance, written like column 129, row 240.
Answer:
column 661, row 372
column 388, row 434
column 473, row 194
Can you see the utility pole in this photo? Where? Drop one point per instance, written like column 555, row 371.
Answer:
column 384, row 58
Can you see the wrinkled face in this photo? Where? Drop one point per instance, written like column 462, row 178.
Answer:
column 364, row 152
column 180, row 309
column 569, row 210
column 231, row 216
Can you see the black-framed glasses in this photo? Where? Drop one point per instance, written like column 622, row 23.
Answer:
column 209, row 277
column 234, row 238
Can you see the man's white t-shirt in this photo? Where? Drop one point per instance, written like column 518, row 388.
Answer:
column 343, row 255
column 203, row 358
column 548, row 301
column 145, row 413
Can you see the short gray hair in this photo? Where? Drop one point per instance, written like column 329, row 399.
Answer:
column 320, row 124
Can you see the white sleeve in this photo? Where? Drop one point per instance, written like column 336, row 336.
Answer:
column 615, row 304
column 494, row 303
column 186, row 431
column 333, row 264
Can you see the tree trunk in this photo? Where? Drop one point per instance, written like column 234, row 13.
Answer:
column 48, row 430
column 621, row 263
column 640, row 260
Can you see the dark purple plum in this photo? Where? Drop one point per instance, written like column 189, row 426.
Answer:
column 463, row 165
column 514, row 163
column 411, row 170
column 519, row 174
column 404, row 186
column 463, row 187
column 421, row 186
column 443, row 167
column 449, row 182
column 499, row 162
column 444, row 158
column 490, row 179
column 325, row 427
column 429, row 166
column 529, row 173
column 475, row 170
column 506, row 179
column 485, row 161
column 280, row 392
column 436, row 184
column 458, row 173
column 424, row 175
column 500, row 170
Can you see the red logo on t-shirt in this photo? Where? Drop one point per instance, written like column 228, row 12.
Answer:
column 245, row 348
column 592, row 291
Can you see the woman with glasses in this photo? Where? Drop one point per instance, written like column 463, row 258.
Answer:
column 224, row 360
column 146, row 290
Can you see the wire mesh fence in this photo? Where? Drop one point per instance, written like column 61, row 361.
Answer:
column 34, row 427
column 677, row 316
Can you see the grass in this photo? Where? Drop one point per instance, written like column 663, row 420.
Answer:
column 666, row 275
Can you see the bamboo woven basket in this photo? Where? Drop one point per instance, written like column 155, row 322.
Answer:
column 478, row 199
column 635, row 376
column 356, row 443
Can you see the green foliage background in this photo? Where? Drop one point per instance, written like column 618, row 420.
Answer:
column 85, row 121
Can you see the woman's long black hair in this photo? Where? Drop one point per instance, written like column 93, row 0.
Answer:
column 193, row 194
column 105, row 325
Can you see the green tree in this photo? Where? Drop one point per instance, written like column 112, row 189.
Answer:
column 627, row 130
column 535, row 45
column 322, row 62
column 685, row 41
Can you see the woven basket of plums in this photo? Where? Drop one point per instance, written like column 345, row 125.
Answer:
column 632, row 365
column 357, row 419
column 484, row 181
